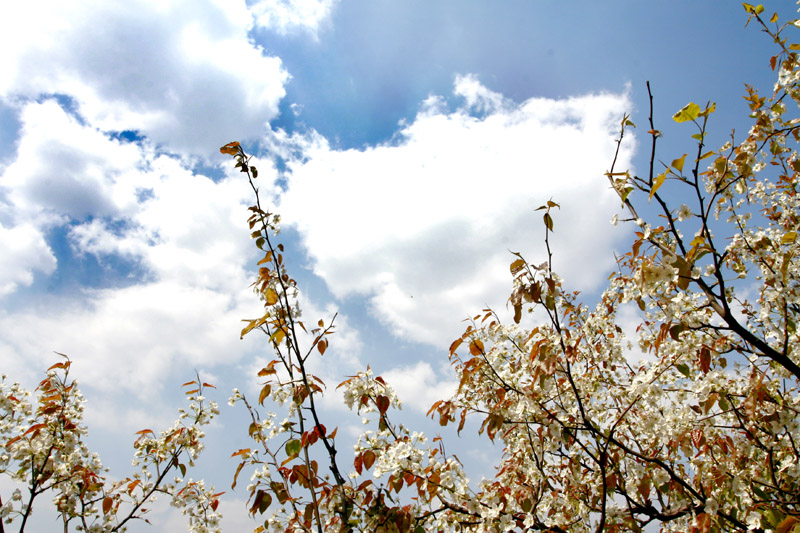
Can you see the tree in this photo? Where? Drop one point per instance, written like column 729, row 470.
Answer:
column 43, row 449
column 703, row 434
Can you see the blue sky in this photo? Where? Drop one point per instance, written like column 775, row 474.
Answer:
column 406, row 145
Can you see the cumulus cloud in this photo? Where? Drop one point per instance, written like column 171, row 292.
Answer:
column 182, row 72
column 186, row 232
column 423, row 225
column 24, row 251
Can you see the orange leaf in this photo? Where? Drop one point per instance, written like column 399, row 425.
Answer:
column 107, row 503
column 476, row 347
column 231, row 148
column 369, row 459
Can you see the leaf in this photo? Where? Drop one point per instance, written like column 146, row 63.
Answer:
column 476, row 347
column 243, row 451
column 263, row 500
column 278, row 336
column 517, row 265
column 787, row 525
column 753, row 10
column 107, row 503
column 709, row 109
column 231, row 148
column 794, row 47
column 676, row 330
column 369, row 459
column 689, row 112
column 659, row 181
column 293, row 448
column 383, row 404
column 454, row 346
column 265, row 390
column 321, row 346
column 677, row 164
column 271, row 296
column 789, row 237
column 773, row 19
column 705, row 360
column 548, row 221
column 683, row 369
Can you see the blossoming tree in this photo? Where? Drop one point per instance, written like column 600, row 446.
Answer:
column 698, row 432
column 42, row 449
column 691, row 425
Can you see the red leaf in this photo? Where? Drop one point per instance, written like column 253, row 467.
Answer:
column 383, row 404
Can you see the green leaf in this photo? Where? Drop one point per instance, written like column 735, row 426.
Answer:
column 676, row 330
column 677, row 164
column 689, row 112
column 683, row 369
column 293, row 448
column 626, row 192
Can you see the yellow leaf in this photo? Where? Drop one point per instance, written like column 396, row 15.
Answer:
column 271, row 296
column 659, row 181
column 689, row 112
column 517, row 265
column 264, row 394
column 677, row 164
column 789, row 237
column 708, row 110
column 794, row 47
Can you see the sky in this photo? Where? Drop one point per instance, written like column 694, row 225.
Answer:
column 406, row 146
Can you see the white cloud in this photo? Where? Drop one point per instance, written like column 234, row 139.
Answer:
column 185, row 232
column 183, row 72
column 66, row 169
column 287, row 16
column 423, row 226
column 24, row 251
column 418, row 386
